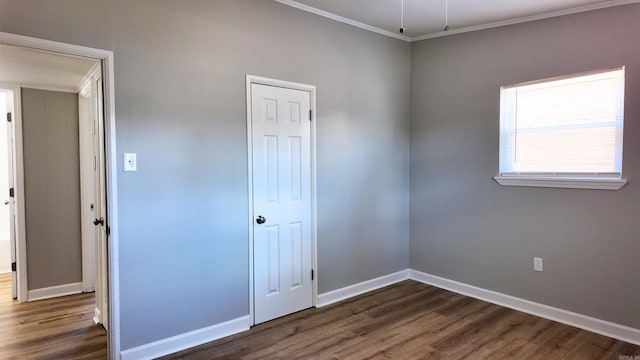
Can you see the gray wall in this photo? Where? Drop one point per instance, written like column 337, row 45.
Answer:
column 52, row 188
column 180, row 105
column 466, row 227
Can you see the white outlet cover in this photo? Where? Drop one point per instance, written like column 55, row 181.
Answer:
column 130, row 162
column 537, row 264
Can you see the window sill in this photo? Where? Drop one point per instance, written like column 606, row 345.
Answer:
column 562, row 182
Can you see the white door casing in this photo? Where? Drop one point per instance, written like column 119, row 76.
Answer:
column 283, row 241
column 109, row 140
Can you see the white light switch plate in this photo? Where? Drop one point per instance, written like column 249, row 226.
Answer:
column 130, row 163
column 537, row 264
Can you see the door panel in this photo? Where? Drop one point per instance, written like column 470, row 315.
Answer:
column 282, row 195
column 7, row 210
column 12, row 209
column 87, row 192
column 102, row 294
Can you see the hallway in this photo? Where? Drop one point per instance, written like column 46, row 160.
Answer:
column 60, row 328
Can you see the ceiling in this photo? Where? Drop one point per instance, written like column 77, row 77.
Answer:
column 41, row 69
column 425, row 19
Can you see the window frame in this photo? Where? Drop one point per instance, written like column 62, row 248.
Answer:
column 600, row 181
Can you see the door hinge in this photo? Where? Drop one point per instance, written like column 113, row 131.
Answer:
column 13, row 267
column 312, row 275
column 9, row 117
column 108, row 230
column 11, row 192
column 310, row 115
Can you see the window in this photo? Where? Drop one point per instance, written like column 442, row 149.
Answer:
column 563, row 132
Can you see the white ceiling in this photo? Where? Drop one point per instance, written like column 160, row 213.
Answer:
column 426, row 18
column 40, row 69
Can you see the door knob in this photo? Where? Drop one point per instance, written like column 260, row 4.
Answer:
column 6, row 202
column 261, row 219
column 98, row 221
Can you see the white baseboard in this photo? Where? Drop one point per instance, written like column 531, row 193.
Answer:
column 54, row 291
column 201, row 336
column 187, row 340
column 334, row 296
column 603, row 327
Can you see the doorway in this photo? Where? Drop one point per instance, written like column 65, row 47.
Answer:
column 281, row 150
column 103, row 203
column 5, row 176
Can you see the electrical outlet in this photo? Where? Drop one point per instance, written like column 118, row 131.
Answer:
column 537, row 264
column 130, row 162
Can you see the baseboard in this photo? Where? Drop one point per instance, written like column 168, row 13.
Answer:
column 344, row 293
column 187, row 340
column 96, row 316
column 54, row 291
column 201, row 336
column 603, row 327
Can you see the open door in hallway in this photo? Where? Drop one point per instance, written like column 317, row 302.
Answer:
column 7, row 212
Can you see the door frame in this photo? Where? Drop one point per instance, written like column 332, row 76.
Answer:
column 18, row 289
column 106, row 57
column 21, row 283
column 18, row 237
column 311, row 89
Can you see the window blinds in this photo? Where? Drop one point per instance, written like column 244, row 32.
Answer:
column 568, row 126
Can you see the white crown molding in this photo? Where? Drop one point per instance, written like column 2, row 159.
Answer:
column 491, row 25
column 520, row 20
column 343, row 19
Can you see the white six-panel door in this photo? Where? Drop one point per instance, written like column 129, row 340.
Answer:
column 281, row 132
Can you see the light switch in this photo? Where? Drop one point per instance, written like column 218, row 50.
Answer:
column 130, row 163
column 537, row 264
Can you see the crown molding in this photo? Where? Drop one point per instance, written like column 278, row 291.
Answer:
column 343, row 19
column 524, row 19
column 491, row 25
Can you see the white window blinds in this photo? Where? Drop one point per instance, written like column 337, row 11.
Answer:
column 570, row 126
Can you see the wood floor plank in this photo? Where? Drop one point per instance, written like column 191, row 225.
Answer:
column 594, row 346
column 60, row 328
column 410, row 320
column 415, row 347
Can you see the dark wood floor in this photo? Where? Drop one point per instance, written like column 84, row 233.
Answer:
column 410, row 320
column 60, row 328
